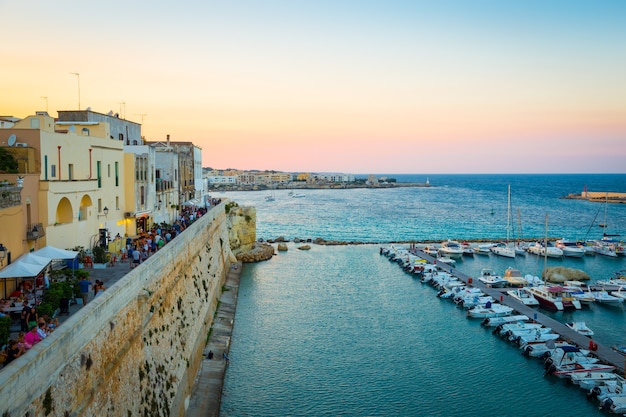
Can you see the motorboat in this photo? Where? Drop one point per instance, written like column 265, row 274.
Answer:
column 554, row 297
column 580, row 291
column 467, row 249
column 502, row 249
column 489, row 278
column 589, row 380
column 567, row 360
column 541, row 349
column 516, row 328
column 619, row 293
column 580, row 327
column 496, row 321
column 451, row 249
column 523, row 296
column 538, row 336
column 614, row 404
column 297, row 195
column 514, row 277
column 570, row 248
column 604, row 248
column 520, row 249
column 431, row 250
column 446, row 260
column 539, row 249
column 489, row 310
column 603, row 297
column 484, row 249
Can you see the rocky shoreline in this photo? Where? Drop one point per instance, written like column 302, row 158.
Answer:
column 311, row 186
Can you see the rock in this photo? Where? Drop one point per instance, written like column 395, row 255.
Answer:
column 304, row 247
column 561, row 274
column 282, row 247
column 258, row 252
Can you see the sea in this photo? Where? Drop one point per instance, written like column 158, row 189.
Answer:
column 341, row 331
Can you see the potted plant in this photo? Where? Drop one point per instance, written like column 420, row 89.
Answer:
column 100, row 257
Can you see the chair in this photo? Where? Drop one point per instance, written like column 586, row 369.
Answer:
column 88, row 262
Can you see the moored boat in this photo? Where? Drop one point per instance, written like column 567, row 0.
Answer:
column 514, row 277
column 580, row 327
column 451, row 249
column 488, row 277
column 523, row 296
column 570, row 248
column 554, row 297
column 489, row 310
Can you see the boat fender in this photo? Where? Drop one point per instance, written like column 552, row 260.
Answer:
column 508, row 334
column 545, row 355
column 518, row 340
column 593, row 393
column 485, row 321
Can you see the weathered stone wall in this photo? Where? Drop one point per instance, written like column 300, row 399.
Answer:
column 242, row 225
column 135, row 349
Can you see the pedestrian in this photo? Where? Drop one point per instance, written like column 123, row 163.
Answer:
column 210, row 355
column 84, row 284
column 24, row 315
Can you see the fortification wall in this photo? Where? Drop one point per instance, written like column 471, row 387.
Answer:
column 135, row 349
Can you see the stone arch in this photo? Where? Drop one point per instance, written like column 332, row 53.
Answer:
column 83, row 210
column 64, row 211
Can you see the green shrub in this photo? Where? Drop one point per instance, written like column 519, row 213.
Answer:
column 5, row 330
column 46, row 308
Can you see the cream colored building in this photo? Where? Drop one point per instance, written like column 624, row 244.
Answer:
column 81, row 171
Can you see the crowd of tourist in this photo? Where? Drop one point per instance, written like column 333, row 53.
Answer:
column 34, row 328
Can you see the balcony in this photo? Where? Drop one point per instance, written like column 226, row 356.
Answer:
column 35, row 232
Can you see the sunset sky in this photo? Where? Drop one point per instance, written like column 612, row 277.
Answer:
column 355, row 86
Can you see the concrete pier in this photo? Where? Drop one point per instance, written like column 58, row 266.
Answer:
column 604, row 353
column 206, row 396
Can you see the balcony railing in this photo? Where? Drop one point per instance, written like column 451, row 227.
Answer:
column 35, row 232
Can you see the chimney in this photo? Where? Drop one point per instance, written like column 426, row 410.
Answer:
column 168, row 140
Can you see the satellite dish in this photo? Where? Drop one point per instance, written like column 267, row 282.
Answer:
column 72, row 129
column 12, row 139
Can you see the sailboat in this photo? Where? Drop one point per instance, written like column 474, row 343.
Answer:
column 608, row 246
column 502, row 249
column 520, row 249
column 270, row 197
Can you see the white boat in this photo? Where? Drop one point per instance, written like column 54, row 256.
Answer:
column 570, row 248
column 489, row 278
column 580, row 291
column 614, row 404
column 446, row 260
column 523, row 296
column 580, row 327
column 589, row 380
column 518, row 327
column 619, row 294
column 269, row 198
column 296, row 195
column 489, row 310
column 484, row 249
column 539, row 249
column 514, row 277
column 604, row 248
column 536, row 337
column 496, row 321
column 451, row 249
column 567, row 360
column 467, row 249
column 603, row 297
column 430, row 250
column 541, row 349
column 554, row 297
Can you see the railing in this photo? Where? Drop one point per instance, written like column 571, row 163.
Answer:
column 35, row 232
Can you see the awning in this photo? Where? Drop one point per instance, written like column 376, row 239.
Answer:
column 25, row 266
column 144, row 213
column 55, row 253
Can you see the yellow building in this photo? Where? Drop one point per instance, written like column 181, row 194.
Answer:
column 79, row 170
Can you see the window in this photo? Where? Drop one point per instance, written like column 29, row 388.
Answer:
column 117, row 202
column 99, row 174
column 143, row 196
column 99, row 205
column 53, row 171
column 70, row 172
column 117, row 174
column 85, row 131
column 109, row 170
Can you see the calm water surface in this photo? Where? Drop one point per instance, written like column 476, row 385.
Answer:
column 341, row 331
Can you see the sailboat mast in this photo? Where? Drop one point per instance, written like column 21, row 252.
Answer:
column 508, row 220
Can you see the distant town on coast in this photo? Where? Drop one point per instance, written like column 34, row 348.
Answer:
column 240, row 180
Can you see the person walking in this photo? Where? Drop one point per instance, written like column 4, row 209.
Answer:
column 84, row 284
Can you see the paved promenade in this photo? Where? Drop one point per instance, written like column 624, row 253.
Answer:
column 207, row 392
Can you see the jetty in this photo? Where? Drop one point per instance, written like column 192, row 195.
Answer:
column 598, row 197
column 603, row 352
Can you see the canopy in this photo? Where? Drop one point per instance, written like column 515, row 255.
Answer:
column 21, row 270
column 55, row 253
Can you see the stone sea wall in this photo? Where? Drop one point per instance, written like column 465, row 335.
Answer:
column 135, row 349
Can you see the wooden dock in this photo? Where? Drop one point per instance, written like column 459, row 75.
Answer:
column 604, row 353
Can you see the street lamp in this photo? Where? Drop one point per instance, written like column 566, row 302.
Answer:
column 105, row 210
column 159, row 206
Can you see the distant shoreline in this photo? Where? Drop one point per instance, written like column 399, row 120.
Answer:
column 308, row 186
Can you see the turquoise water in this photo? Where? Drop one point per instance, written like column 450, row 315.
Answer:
column 341, row 331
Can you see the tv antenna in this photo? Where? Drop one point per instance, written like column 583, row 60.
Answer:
column 78, row 81
column 143, row 115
